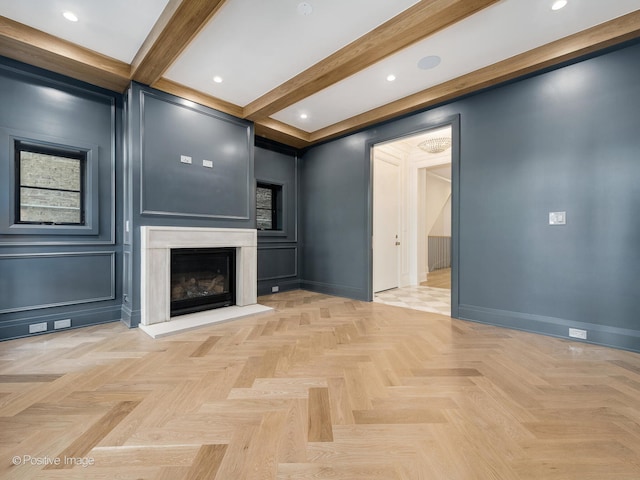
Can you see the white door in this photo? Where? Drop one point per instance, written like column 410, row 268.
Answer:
column 386, row 220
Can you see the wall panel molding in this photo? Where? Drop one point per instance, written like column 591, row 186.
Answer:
column 273, row 248
column 150, row 210
column 106, row 230
column 60, row 271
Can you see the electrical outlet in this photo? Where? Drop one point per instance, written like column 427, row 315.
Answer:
column 38, row 327
column 577, row 333
column 207, row 163
column 66, row 323
column 275, row 289
column 185, row 159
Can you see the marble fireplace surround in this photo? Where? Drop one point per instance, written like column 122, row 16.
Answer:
column 156, row 244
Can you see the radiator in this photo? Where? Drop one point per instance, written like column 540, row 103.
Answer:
column 439, row 252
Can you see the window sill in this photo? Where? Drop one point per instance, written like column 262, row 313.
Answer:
column 272, row 233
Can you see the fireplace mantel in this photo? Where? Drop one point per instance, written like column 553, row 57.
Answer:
column 156, row 245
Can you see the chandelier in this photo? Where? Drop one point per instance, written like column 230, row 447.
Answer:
column 435, row 144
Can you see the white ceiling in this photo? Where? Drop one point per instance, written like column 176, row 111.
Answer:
column 498, row 32
column 115, row 28
column 257, row 45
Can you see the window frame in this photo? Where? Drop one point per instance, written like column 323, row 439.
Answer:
column 74, row 154
column 9, row 224
column 277, row 208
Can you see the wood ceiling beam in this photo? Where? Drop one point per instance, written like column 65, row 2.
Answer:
column 177, row 26
column 188, row 93
column 26, row 44
column 602, row 36
column 281, row 132
column 417, row 22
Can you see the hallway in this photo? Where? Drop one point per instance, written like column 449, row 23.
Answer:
column 434, row 295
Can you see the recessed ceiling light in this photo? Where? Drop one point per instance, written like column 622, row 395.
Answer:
column 304, row 116
column 217, row 79
column 70, row 16
column 391, row 78
column 305, row 9
column 558, row 4
column 429, row 62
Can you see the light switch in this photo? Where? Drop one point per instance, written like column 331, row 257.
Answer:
column 185, row 159
column 557, row 218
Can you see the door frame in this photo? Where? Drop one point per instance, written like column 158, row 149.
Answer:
column 454, row 122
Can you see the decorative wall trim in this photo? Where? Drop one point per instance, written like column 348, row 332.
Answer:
column 334, row 289
column 149, row 212
column 81, row 318
column 286, row 197
column 616, row 337
column 92, row 229
column 126, row 315
column 111, row 296
column 130, row 318
column 154, row 213
column 58, row 244
column 57, row 82
column 282, row 247
column 127, row 277
column 264, row 287
column 292, row 195
column 90, row 189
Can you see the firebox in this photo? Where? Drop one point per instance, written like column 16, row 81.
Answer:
column 202, row 279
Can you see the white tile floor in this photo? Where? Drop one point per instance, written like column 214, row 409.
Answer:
column 426, row 299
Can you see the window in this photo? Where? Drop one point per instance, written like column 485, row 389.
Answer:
column 269, row 206
column 49, row 185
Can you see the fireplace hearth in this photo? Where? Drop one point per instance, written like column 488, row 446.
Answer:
column 202, row 279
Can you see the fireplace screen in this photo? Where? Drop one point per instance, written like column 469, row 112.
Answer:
column 202, row 279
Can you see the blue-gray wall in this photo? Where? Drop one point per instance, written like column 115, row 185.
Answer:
column 160, row 190
column 93, row 275
column 566, row 140
column 335, row 217
column 56, row 273
column 278, row 252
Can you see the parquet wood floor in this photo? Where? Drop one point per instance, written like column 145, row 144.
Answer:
column 321, row 388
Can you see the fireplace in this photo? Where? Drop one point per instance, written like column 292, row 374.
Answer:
column 202, row 279
column 157, row 243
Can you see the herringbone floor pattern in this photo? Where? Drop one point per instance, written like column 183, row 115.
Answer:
column 322, row 388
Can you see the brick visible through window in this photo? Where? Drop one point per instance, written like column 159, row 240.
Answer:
column 49, row 186
column 268, row 206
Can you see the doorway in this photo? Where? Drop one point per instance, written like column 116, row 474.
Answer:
column 412, row 220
